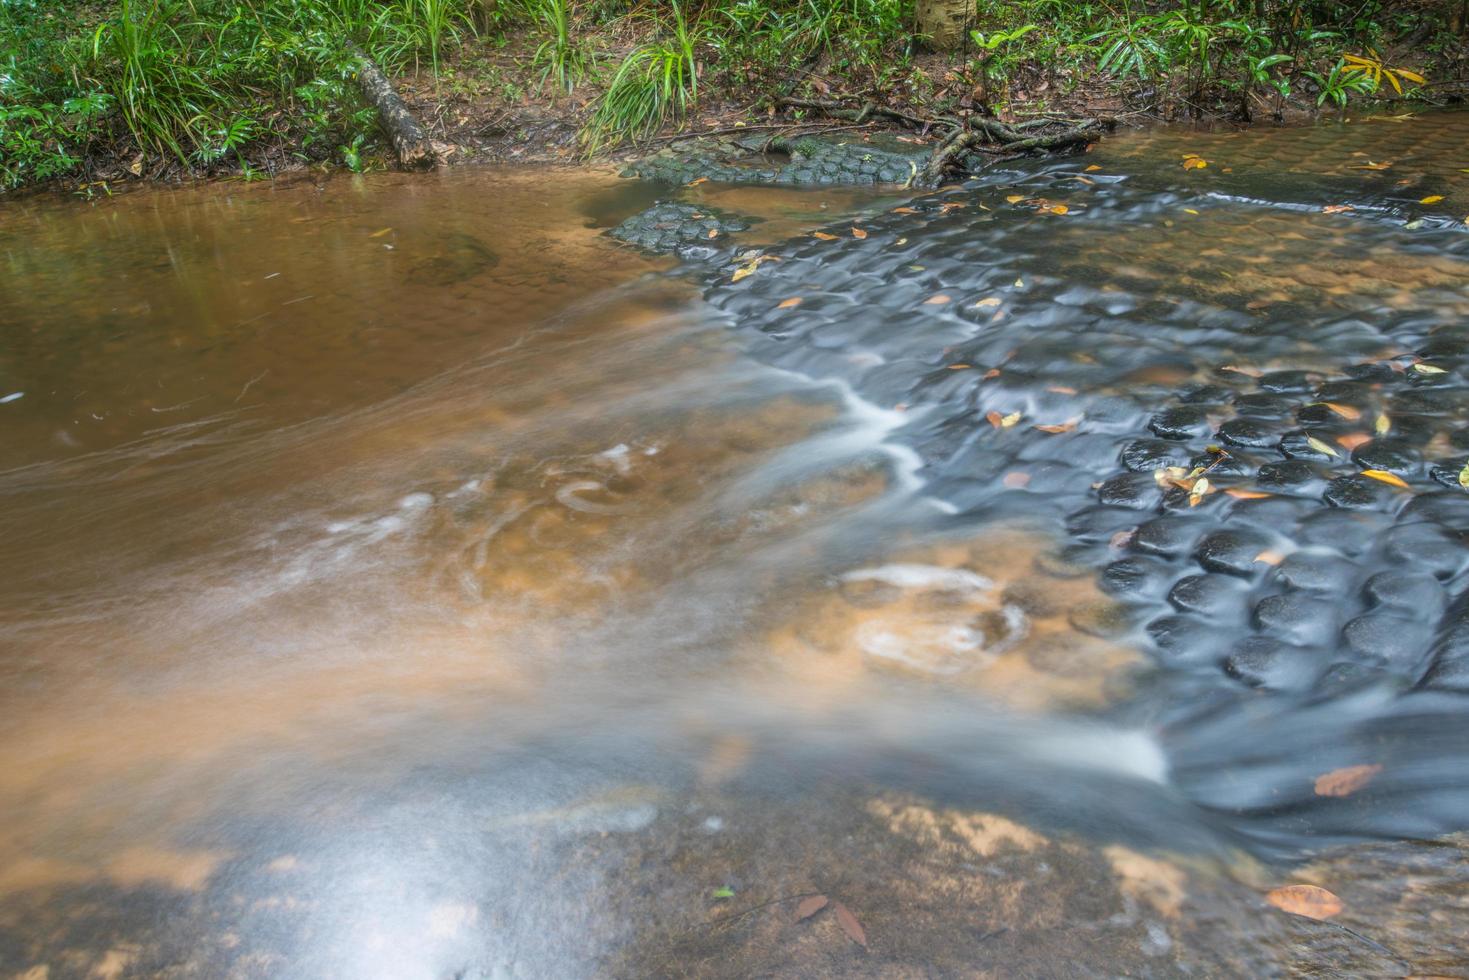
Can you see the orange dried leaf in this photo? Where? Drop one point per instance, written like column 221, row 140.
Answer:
column 905, row 210
column 1061, row 389
column 1337, row 208
column 1345, row 781
column 858, row 233
column 1307, row 900
column 1270, row 557
column 1391, row 479
column 1016, row 480
column 823, row 236
column 786, row 304
column 960, row 367
column 1345, row 411
column 1093, row 168
column 1054, row 429
column 810, row 906
column 713, row 233
column 938, row 300
column 1352, row 440
column 849, row 924
column 993, row 418
column 1240, row 494
column 991, row 373
column 1195, row 163
column 697, row 181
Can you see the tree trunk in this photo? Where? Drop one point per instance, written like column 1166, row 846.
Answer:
column 412, row 146
column 945, row 23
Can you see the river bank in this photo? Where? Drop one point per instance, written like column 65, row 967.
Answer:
column 100, row 96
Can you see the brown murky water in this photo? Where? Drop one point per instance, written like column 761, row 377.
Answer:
column 403, row 579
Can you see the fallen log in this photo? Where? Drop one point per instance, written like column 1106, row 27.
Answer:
column 412, row 146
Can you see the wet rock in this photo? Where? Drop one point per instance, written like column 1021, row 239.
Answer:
column 1312, row 571
column 1390, row 639
column 1138, row 491
column 1234, row 463
column 1297, row 618
column 1430, row 548
column 1450, row 509
column 1391, row 455
column 1205, row 395
column 1146, row 455
column 1184, row 640
column 1135, row 575
column 1233, row 552
column 1218, row 596
column 1287, row 381
column 1373, row 372
column 1349, row 532
column 1290, row 476
column 1167, row 536
column 1297, row 445
column 1095, row 524
column 1357, row 493
column 1259, row 661
column 1107, row 620
column 1250, row 433
column 674, row 227
column 1264, row 406
column 1181, row 422
column 1447, row 473
column 1415, row 592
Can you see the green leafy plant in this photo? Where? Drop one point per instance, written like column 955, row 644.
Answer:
column 562, row 56
column 657, row 82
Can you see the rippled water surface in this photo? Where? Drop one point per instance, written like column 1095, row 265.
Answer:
column 404, row 579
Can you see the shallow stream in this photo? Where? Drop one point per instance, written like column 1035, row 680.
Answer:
column 403, row 578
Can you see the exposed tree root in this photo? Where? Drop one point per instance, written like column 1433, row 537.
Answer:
column 969, row 135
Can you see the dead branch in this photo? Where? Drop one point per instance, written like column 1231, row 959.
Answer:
column 409, row 142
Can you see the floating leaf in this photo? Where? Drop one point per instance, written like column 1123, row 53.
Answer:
column 849, row 924
column 1464, row 477
column 1241, row 494
column 1019, row 283
column 1061, row 389
column 1195, row 163
column 1270, row 557
column 1431, row 199
column 1345, row 411
column 938, row 300
column 988, row 301
column 1249, row 372
column 1352, row 440
column 1010, row 419
column 1345, row 781
column 1391, row 479
column 1056, row 209
column 858, row 233
column 1066, row 426
column 991, row 373
column 1093, row 168
column 1015, row 198
column 1428, row 369
column 725, row 892
column 786, row 304
column 1016, row 480
column 993, row 418
column 905, row 210
column 1198, row 490
column 823, row 236
column 810, row 906
column 1307, row 900
column 1320, row 446
column 380, row 233
column 960, row 367
column 697, row 181
column 1383, row 426
column 1337, row 208
column 713, row 233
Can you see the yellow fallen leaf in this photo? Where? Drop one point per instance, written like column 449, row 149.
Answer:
column 858, row 233
column 905, row 211
column 1093, row 168
column 1320, row 446
column 1198, row 490
column 380, row 233
column 1345, row 781
column 1384, row 425
column 1431, row 199
column 1190, row 211
column 1010, row 420
column 1195, row 163
column 1306, row 900
column 823, row 236
column 901, row 241
column 1058, row 209
column 1019, row 283
column 1345, row 411
column 937, row 300
column 1464, row 477
column 1015, row 198
column 786, row 304
column 1391, row 479
column 1427, row 369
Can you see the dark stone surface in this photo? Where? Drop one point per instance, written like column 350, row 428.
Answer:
column 684, row 228
column 1298, row 618
column 1181, row 422
column 1233, row 552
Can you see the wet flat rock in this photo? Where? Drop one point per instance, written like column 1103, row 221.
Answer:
column 810, row 160
column 688, row 230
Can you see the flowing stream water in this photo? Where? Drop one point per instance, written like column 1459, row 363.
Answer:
column 402, row 578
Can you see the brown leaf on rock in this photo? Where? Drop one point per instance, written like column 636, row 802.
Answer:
column 1307, row 900
column 994, row 418
column 786, row 304
column 849, row 924
column 1240, row 494
column 905, row 210
column 810, row 906
column 1337, row 208
column 938, row 300
column 1270, row 557
column 1383, row 476
column 1345, row 411
column 1345, row 781
column 858, row 233
column 823, row 236
column 1352, row 440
